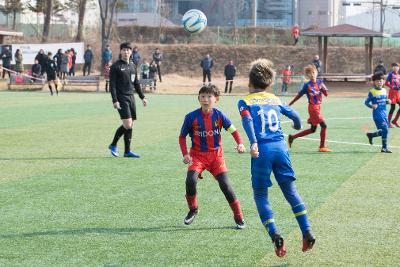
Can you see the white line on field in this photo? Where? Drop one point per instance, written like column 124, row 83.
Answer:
column 330, row 119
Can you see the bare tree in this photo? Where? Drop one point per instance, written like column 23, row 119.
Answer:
column 12, row 7
column 79, row 7
column 107, row 11
column 47, row 19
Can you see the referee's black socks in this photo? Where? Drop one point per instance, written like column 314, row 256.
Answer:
column 120, row 131
column 127, row 139
column 51, row 89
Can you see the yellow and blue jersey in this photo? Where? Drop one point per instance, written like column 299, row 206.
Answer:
column 377, row 96
column 261, row 114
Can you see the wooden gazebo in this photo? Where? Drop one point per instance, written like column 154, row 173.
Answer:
column 344, row 30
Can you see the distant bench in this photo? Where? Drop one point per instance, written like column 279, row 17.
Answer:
column 344, row 77
column 24, row 82
column 82, row 81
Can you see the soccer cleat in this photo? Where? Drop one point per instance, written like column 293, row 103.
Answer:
column 113, row 150
column 385, row 150
column 369, row 135
column 324, row 149
column 396, row 124
column 131, row 154
column 290, row 140
column 308, row 242
column 240, row 224
column 190, row 216
column 280, row 249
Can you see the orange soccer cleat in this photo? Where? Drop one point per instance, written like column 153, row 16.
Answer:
column 280, row 249
column 324, row 149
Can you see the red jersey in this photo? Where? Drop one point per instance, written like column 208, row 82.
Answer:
column 286, row 75
column 314, row 92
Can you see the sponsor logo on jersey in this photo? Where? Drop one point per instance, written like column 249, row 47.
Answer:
column 207, row 133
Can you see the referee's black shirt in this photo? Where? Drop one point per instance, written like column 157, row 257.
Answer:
column 123, row 79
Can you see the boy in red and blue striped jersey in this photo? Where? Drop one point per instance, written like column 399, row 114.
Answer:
column 393, row 82
column 204, row 126
column 314, row 90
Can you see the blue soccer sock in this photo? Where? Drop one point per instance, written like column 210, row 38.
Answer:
column 376, row 134
column 384, row 137
column 299, row 209
column 264, row 210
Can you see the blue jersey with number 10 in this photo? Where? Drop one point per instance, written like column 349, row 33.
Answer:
column 265, row 109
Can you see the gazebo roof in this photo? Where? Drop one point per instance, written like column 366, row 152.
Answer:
column 7, row 32
column 344, row 30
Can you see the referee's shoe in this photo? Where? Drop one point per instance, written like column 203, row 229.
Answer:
column 113, row 150
column 131, row 154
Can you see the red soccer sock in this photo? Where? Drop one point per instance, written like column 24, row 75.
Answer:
column 237, row 211
column 323, row 137
column 396, row 117
column 192, row 202
column 390, row 117
column 302, row 133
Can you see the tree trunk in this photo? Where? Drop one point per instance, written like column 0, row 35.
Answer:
column 105, row 13
column 82, row 11
column 14, row 18
column 47, row 19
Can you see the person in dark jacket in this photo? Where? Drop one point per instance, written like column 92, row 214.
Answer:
column 58, row 59
column 6, row 57
column 42, row 58
column 51, row 73
column 36, row 69
column 318, row 64
column 88, row 57
column 206, row 64
column 135, row 57
column 106, row 56
column 230, row 73
column 380, row 68
column 157, row 58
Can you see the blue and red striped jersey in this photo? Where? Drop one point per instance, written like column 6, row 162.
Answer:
column 393, row 80
column 205, row 129
column 313, row 92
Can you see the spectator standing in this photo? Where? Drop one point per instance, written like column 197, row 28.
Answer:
column 230, row 73
column 153, row 75
column 317, row 63
column 6, row 57
column 380, row 68
column 19, row 66
column 106, row 55
column 88, row 58
column 286, row 75
column 42, row 58
column 73, row 61
column 144, row 69
column 58, row 59
column 135, row 58
column 106, row 73
column 296, row 33
column 157, row 58
column 64, row 69
column 207, row 64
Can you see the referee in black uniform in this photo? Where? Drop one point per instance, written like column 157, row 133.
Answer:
column 123, row 80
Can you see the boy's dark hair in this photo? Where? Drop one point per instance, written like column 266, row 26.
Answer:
column 49, row 53
column 395, row 64
column 209, row 89
column 378, row 76
column 125, row 45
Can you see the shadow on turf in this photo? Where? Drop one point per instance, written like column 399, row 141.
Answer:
column 114, row 231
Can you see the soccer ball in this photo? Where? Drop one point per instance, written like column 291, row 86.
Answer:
column 194, row 21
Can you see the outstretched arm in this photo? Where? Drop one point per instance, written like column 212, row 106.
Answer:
column 324, row 90
column 293, row 115
column 368, row 100
column 297, row 97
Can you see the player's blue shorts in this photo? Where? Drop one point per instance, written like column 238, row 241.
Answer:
column 381, row 123
column 274, row 157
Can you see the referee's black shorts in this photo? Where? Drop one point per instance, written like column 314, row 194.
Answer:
column 51, row 76
column 128, row 107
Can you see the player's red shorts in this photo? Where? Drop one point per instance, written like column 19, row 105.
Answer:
column 315, row 115
column 394, row 96
column 212, row 161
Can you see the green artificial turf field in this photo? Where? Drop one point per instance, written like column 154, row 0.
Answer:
column 65, row 202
